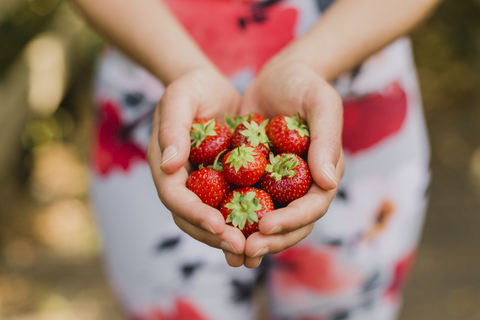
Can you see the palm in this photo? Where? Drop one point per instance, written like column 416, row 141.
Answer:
column 200, row 94
column 286, row 90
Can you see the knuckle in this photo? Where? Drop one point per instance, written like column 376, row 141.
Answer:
column 284, row 242
column 334, row 147
column 321, row 203
column 174, row 89
column 163, row 130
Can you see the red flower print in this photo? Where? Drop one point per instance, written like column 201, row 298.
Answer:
column 401, row 273
column 112, row 150
column 317, row 269
column 234, row 34
column 183, row 310
column 370, row 119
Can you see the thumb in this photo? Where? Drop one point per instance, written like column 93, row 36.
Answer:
column 325, row 117
column 176, row 110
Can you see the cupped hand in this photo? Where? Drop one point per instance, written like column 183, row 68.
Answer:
column 202, row 93
column 287, row 89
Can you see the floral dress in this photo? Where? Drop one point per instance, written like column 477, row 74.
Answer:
column 357, row 259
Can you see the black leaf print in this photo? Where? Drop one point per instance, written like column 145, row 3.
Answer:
column 341, row 194
column 324, row 4
column 372, row 282
column 133, row 99
column 258, row 15
column 189, row 269
column 168, row 244
column 127, row 129
column 266, row 3
column 335, row 242
column 243, row 291
column 356, row 71
column 343, row 315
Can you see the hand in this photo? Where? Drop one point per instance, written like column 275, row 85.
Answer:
column 202, row 93
column 285, row 89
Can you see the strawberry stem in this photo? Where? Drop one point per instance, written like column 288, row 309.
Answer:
column 217, row 165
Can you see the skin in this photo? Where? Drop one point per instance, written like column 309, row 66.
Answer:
column 294, row 80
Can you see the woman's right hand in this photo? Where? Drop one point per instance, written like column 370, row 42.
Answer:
column 201, row 93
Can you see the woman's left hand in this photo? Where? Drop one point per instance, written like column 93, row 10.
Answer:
column 287, row 89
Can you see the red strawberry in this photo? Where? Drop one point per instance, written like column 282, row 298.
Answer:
column 289, row 135
column 236, row 120
column 208, row 138
column 209, row 184
column 286, row 178
column 258, row 118
column 244, row 165
column 252, row 134
column 244, row 207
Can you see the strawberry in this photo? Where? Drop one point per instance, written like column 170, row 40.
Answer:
column 236, row 120
column 244, row 165
column 289, row 135
column 209, row 184
column 258, row 118
column 252, row 134
column 286, row 177
column 208, row 138
column 244, row 207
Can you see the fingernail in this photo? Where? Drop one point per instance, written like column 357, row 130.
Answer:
column 207, row 227
column 331, row 172
column 225, row 245
column 168, row 154
column 275, row 229
column 261, row 252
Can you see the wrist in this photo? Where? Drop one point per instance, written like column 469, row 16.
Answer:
column 178, row 69
column 306, row 53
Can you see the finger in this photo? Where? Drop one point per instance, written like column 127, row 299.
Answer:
column 301, row 212
column 176, row 113
column 231, row 240
column 260, row 244
column 234, row 260
column 185, row 204
column 252, row 263
column 324, row 112
column 180, row 200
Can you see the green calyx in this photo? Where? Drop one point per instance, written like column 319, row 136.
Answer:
column 200, row 131
column 232, row 123
column 297, row 125
column 255, row 133
column 243, row 208
column 282, row 166
column 241, row 156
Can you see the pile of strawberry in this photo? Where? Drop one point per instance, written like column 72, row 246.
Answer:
column 249, row 167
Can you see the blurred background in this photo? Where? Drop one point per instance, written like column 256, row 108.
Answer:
column 50, row 264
